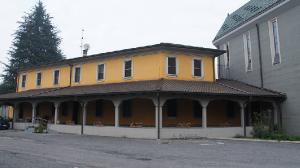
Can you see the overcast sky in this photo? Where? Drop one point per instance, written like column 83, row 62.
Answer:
column 118, row 24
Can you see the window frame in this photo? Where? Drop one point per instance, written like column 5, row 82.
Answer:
column 104, row 70
column 74, row 75
column 54, row 77
column 176, row 68
column 36, row 79
column 272, row 41
column 226, row 55
column 124, row 70
column 22, row 80
column 193, row 68
column 246, row 55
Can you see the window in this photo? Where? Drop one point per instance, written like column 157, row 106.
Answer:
column 99, row 108
column 172, row 108
column 77, row 74
column 127, row 68
column 38, row 79
column 197, row 67
column 172, row 66
column 226, row 56
column 247, row 51
column 56, row 77
column 100, row 72
column 274, row 41
column 126, row 108
column 197, row 108
column 23, row 84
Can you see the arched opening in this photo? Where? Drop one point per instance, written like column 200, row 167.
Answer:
column 261, row 109
column 100, row 113
column 6, row 111
column 182, row 113
column 223, row 113
column 138, row 112
column 70, row 113
column 45, row 110
column 25, row 112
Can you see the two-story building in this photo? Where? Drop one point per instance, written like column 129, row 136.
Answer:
column 158, row 91
column 262, row 42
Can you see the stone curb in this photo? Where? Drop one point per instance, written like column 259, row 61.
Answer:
column 258, row 140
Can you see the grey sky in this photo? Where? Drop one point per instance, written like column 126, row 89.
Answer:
column 119, row 24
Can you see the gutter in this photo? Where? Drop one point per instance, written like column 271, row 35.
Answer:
column 260, row 57
column 250, row 22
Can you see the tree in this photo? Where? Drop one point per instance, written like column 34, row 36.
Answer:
column 35, row 42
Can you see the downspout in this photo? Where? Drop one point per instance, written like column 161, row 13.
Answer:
column 158, row 115
column 260, row 57
column 249, row 111
column 71, row 71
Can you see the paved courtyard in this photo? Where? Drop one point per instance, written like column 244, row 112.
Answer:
column 25, row 150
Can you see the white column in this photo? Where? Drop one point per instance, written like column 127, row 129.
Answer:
column 160, row 116
column 117, row 104
column 242, row 108
column 33, row 113
column 56, row 105
column 16, row 112
column 204, row 104
column 84, row 113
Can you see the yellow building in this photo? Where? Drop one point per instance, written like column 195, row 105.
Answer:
column 158, row 91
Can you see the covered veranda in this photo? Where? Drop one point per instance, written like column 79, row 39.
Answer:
column 175, row 111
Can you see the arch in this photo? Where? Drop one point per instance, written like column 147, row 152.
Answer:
column 45, row 110
column 100, row 112
column 223, row 113
column 24, row 113
column 182, row 112
column 137, row 112
column 70, row 113
column 262, row 108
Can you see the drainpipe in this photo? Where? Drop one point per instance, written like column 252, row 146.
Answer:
column 158, row 115
column 71, row 71
column 260, row 57
column 249, row 111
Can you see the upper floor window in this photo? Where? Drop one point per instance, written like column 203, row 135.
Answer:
column 274, row 41
column 172, row 66
column 197, row 67
column 247, row 51
column 23, row 84
column 100, row 72
column 128, row 68
column 56, row 77
column 77, row 74
column 226, row 56
column 38, row 79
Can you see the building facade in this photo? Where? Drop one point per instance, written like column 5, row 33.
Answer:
column 262, row 42
column 158, row 91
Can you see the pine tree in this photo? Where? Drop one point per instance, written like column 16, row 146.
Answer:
column 35, row 42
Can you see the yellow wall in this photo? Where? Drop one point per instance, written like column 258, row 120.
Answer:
column 151, row 66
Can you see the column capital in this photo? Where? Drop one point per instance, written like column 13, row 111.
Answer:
column 117, row 102
column 242, row 104
column 204, row 102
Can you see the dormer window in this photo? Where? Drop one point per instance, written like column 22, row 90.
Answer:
column 100, row 72
column 38, row 79
column 197, row 68
column 128, row 68
column 77, row 74
column 172, row 66
column 23, row 83
column 56, row 77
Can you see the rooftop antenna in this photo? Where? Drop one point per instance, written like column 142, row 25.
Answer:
column 81, row 45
